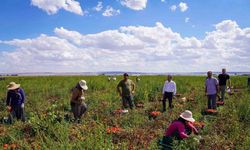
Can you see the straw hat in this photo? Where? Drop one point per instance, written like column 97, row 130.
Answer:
column 83, row 84
column 13, row 86
column 187, row 115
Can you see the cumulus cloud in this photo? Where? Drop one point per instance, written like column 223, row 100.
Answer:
column 131, row 48
column 183, row 6
column 53, row 6
column 173, row 8
column 187, row 19
column 134, row 4
column 98, row 7
column 110, row 11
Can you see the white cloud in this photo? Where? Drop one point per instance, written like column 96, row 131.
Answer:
column 134, row 4
column 98, row 7
column 183, row 6
column 187, row 19
column 163, row 0
column 52, row 6
column 173, row 8
column 131, row 48
column 110, row 11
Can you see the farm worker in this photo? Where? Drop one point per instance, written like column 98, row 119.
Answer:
column 179, row 129
column 126, row 89
column 137, row 79
column 168, row 91
column 15, row 101
column 78, row 107
column 223, row 78
column 211, row 90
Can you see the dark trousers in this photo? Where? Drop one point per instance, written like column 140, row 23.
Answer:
column 78, row 109
column 169, row 96
column 127, row 100
column 17, row 112
column 167, row 143
column 211, row 101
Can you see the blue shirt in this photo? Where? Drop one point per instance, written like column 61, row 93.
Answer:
column 211, row 84
column 15, row 98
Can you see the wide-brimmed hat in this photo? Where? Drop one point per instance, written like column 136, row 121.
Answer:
column 83, row 84
column 13, row 86
column 187, row 115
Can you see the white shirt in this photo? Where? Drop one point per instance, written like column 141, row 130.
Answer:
column 169, row 87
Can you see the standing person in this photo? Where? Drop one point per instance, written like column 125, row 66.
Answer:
column 15, row 101
column 223, row 78
column 126, row 89
column 168, row 91
column 78, row 107
column 179, row 129
column 211, row 90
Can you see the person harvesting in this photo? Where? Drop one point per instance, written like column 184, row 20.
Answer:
column 179, row 129
column 78, row 106
column 15, row 101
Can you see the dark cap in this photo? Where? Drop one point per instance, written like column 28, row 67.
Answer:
column 125, row 74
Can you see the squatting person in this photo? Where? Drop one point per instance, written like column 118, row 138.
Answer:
column 179, row 129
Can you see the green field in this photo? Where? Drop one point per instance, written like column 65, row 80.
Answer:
column 48, row 101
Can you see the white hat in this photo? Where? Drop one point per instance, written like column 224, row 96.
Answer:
column 83, row 84
column 13, row 86
column 187, row 115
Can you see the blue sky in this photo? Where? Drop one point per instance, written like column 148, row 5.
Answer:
column 22, row 19
column 19, row 19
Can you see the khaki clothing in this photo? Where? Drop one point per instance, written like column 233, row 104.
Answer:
column 77, row 96
column 127, row 87
column 78, row 107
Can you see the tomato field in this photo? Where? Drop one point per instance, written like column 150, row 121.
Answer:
column 48, row 124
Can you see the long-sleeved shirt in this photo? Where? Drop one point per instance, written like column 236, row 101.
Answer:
column 169, row 87
column 15, row 98
column 179, row 128
column 77, row 96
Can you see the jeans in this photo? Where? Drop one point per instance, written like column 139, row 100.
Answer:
column 127, row 100
column 211, row 102
column 222, row 92
column 78, row 109
column 17, row 112
column 169, row 96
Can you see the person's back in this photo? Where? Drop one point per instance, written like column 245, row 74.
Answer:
column 223, row 79
column 15, row 98
column 174, row 129
column 211, row 84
